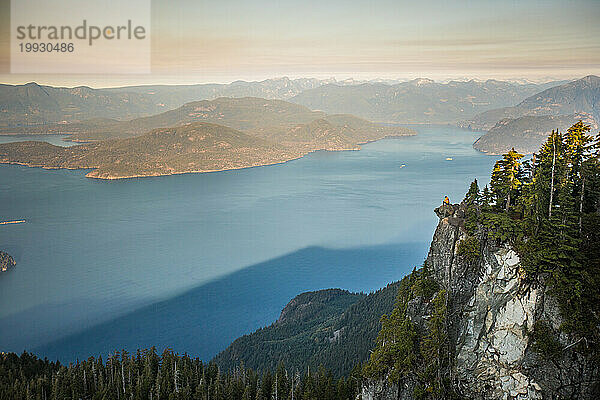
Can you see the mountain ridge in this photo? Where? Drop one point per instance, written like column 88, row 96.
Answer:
column 526, row 125
column 418, row 101
column 33, row 105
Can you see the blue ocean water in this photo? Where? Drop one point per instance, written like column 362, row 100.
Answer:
column 193, row 261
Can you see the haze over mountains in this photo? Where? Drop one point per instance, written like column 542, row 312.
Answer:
column 31, row 103
column 417, row 101
column 526, row 125
column 35, row 104
column 300, row 124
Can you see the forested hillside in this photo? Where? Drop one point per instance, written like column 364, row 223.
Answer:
column 315, row 329
column 510, row 287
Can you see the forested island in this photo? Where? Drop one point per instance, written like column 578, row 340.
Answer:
column 204, row 136
column 505, row 305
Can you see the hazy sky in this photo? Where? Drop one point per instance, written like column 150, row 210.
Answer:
column 197, row 41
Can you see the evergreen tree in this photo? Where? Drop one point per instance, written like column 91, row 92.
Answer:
column 505, row 178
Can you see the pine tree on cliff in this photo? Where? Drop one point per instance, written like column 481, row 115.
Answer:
column 555, row 223
column 486, row 198
column 473, row 207
column 505, row 178
column 472, row 197
column 581, row 149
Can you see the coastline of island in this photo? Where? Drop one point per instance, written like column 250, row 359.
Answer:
column 93, row 174
column 196, row 143
column 6, row 261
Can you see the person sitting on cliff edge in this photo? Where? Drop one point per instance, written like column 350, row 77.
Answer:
column 446, row 200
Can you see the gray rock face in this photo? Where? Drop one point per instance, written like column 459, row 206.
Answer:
column 490, row 312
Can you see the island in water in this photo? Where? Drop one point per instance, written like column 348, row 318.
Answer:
column 201, row 136
column 6, row 261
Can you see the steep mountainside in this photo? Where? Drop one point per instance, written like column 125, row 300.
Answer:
column 492, row 315
column 526, row 134
column 505, row 306
column 582, row 95
column 526, row 125
column 332, row 327
column 417, row 101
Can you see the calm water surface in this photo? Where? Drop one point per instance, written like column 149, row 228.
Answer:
column 193, row 261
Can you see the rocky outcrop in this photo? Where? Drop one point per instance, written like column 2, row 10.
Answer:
column 491, row 313
column 6, row 261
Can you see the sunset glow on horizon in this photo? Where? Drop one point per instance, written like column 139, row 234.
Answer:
column 200, row 42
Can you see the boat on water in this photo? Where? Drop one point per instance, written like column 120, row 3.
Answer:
column 17, row 221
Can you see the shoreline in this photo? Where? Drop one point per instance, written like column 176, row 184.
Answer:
column 149, row 175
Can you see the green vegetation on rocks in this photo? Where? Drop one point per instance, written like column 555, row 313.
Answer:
column 547, row 209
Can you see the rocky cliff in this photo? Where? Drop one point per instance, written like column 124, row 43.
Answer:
column 492, row 313
column 6, row 261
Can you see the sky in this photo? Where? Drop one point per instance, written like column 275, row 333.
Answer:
column 200, row 41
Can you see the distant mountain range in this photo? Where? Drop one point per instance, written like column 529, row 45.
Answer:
column 418, row 101
column 526, row 125
column 304, row 120
column 204, row 136
column 31, row 103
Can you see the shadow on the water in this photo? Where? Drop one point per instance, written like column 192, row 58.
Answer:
column 204, row 320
